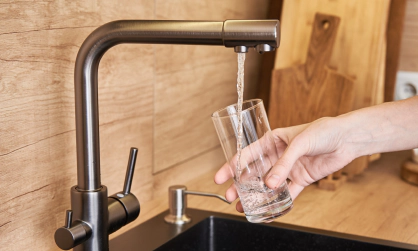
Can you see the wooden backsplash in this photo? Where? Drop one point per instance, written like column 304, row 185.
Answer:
column 156, row 97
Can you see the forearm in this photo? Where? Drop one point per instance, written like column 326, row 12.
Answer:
column 387, row 127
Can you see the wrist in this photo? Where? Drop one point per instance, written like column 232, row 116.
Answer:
column 357, row 135
column 382, row 128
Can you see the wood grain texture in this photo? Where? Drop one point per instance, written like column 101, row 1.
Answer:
column 394, row 37
column 267, row 59
column 40, row 41
column 38, row 164
column 409, row 172
column 304, row 93
column 359, row 51
column 360, row 45
column 189, row 84
column 307, row 92
column 180, row 121
column 409, row 49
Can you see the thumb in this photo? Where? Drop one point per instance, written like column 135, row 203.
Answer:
column 280, row 171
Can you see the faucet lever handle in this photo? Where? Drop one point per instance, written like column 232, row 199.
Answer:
column 124, row 206
column 73, row 233
column 130, row 171
column 68, row 218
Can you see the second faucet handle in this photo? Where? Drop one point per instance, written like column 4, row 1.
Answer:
column 130, row 171
column 124, row 206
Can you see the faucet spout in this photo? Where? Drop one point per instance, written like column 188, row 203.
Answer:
column 230, row 33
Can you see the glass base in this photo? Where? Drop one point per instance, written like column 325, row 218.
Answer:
column 270, row 215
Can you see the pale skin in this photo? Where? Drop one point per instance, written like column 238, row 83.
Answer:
column 312, row 151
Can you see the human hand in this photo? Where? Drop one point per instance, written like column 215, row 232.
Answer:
column 307, row 153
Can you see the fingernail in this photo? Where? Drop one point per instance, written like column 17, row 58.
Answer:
column 273, row 181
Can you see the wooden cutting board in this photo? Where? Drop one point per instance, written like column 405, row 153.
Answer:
column 303, row 93
column 359, row 50
column 306, row 92
column 360, row 45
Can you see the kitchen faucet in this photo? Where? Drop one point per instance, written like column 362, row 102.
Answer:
column 93, row 216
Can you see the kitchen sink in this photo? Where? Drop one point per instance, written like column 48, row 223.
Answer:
column 217, row 231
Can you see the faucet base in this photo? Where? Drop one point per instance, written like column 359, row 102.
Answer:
column 90, row 207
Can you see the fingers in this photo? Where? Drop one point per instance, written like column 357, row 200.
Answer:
column 223, row 174
column 249, row 154
column 231, row 194
column 294, row 189
column 264, row 148
column 289, row 133
column 239, row 207
column 280, row 171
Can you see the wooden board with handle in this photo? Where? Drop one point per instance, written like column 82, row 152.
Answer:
column 359, row 50
column 306, row 92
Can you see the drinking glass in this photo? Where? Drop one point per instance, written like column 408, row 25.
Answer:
column 258, row 155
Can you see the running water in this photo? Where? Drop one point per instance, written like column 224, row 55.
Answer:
column 260, row 203
column 240, row 90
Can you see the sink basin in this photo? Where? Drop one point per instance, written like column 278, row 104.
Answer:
column 216, row 231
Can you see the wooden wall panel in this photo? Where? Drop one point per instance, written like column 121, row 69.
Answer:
column 40, row 41
column 189, row 84
column 37, row 154
column 126, row 115
column 183, row 105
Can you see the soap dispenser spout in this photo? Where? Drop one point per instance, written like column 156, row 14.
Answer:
column 177, row 203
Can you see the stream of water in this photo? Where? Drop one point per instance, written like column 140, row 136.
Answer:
column 240, row 91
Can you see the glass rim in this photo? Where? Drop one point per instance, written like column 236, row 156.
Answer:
column 258, row 103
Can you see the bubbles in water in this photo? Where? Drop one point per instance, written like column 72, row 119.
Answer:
column 258, row 199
